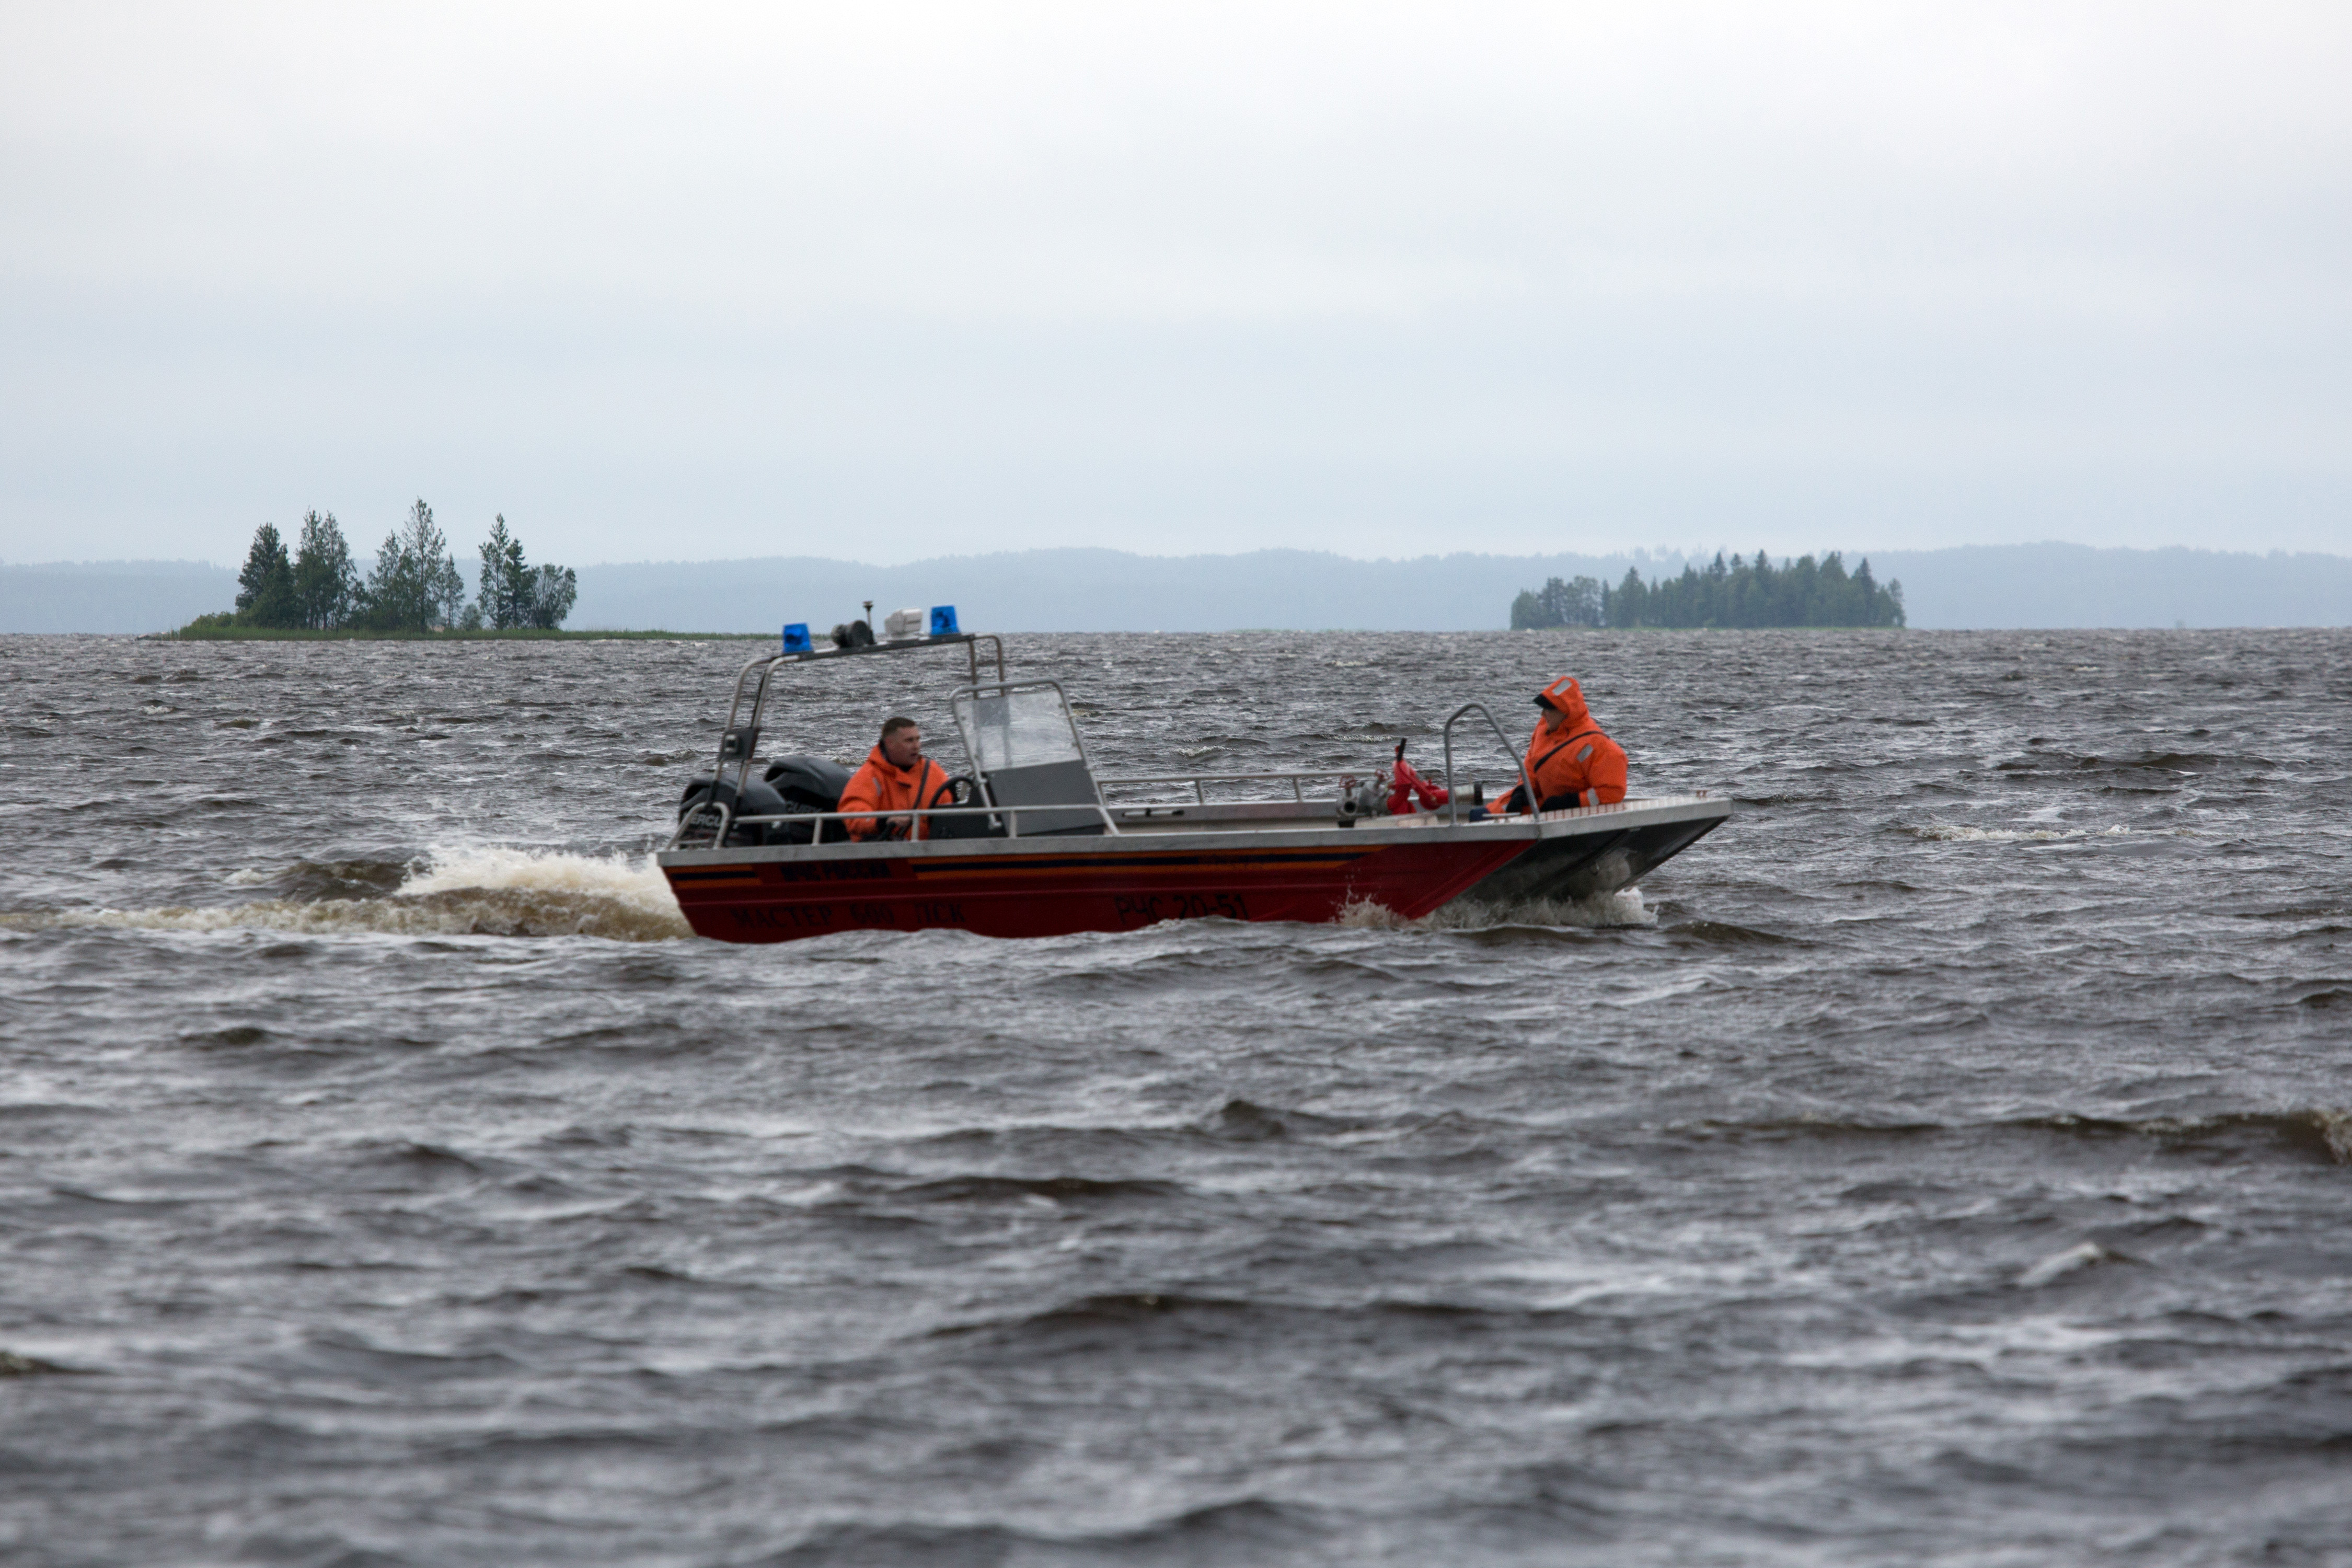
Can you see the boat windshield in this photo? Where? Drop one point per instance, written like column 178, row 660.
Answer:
column 1017, row 727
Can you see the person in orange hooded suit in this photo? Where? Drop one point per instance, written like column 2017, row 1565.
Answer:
column 896, row 777
column 1571, row 761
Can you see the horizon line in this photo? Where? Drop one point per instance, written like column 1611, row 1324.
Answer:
column 1628, row 553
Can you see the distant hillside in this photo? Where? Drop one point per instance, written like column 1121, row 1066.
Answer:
column 1996, row 586
column 1087, row 591
column 1109, row 590
column 111, row 596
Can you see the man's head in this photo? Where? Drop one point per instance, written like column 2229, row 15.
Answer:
column 902, row 741
column 1561, row 701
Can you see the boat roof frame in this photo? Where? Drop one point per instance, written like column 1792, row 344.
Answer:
column 740, row 739
column 739, row 743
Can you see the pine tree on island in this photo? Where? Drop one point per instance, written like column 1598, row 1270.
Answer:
column 326, row 584
column 512, row 594
column 414, row 585
column 265, row 588
column 1725, row 594
column 1558, row 604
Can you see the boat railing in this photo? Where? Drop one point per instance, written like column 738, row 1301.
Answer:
column 729, row 821
column 1453, row 798
column 1296, row 779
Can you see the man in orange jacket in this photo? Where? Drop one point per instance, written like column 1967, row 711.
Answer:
column 1571, row 761
column 896, row 777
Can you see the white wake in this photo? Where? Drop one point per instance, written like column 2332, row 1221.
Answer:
column 474, row 891
column 1602, row 911
column 1950, row 833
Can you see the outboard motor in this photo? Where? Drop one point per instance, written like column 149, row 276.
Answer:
column 792, row 787
column 757, row 800
column 806, row 783
column 812, row 784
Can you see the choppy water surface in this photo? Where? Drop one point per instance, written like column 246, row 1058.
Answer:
column 1944, row 1161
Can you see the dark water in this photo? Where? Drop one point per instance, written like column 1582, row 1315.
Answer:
column 1944, row 1161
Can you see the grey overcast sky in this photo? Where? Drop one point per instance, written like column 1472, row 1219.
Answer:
column 885, row 281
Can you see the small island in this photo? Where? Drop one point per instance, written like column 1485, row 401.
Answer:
column 414, row 588
column 1736, row 593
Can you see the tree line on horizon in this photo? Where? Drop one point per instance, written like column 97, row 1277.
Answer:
column 414, row 584
column 1725, row 593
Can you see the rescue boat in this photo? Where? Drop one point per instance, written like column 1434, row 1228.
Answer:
column 1029, row 841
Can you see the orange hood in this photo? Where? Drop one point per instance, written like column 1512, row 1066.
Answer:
column 1568, row 697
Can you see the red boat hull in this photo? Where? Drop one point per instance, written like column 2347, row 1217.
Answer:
column 1058, row 891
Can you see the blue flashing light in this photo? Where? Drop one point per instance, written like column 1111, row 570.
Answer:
column 943, row 621
column 796, row 638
